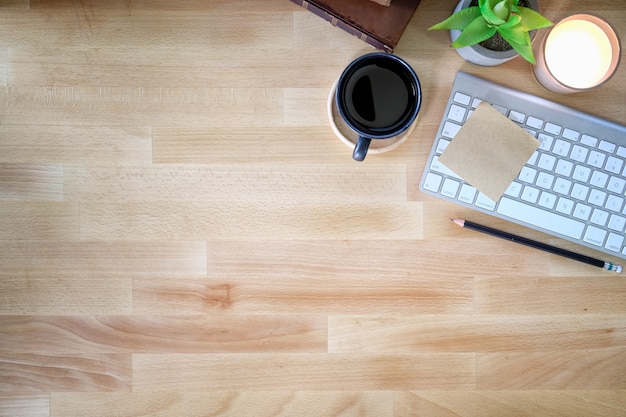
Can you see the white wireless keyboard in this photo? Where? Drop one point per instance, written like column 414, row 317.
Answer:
column 574, row 185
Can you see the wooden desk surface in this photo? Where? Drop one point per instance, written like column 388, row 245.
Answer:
column 181, row 234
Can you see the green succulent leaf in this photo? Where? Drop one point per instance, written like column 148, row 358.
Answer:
column 514, row 35
column 514, row 20
column 487, row 9
column 477, row 31
column 523, row 48
column 532, row 20
column 502, row 9
column 459, row 20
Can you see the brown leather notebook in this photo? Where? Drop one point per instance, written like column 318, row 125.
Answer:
column 380, row 26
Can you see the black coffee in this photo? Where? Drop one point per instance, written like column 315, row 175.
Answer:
column 377, row 97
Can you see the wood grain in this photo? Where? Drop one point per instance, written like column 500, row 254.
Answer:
column 304, row 371
column 573, row 403
column 182, row 234
column 229, row 403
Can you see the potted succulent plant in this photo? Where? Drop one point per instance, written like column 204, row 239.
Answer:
column 491, row 32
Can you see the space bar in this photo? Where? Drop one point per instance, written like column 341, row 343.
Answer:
column 541, row 218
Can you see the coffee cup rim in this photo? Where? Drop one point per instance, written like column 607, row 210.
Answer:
column 397, row 127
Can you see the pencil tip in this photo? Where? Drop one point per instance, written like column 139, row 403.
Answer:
column 459, row 222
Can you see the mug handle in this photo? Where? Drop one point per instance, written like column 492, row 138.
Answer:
column 361, row 147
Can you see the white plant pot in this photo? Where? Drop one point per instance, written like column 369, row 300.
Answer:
column 479, row 55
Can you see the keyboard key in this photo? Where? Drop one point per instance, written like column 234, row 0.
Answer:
column 571, row 134
column 534, row 122
column 564, row 167
column 614, row 203
column 485, row 202
column 621, row 151
column 599, row 179
column 596, row 159
column 517, row 116
column 580, row 192
column 462, row 98
column 597, row 197
column 579, row 153
column 562, row 186
column 530, row 194
column 528, row 175
column 456, row 113
column 599, row 217
column 553, row 128
column 432, row 182
column 546, row 162
column 614, row 165
column 581, row 173
column 582, row 211
column 514, row 189
column 547, row 200
column 616, row 185
column 450, row 187
column 542, row 218
column 467, row 194
column 442, row 145
column 450, row 130
column 617, row 223
column 545, row 180
column 607, row 146
column 546, row 141
column 594, row 235
column 614, row 242
column 565, row 206
column 561, row 147
column 589, row 141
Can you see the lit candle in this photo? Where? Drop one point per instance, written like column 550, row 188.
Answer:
column 579, row 53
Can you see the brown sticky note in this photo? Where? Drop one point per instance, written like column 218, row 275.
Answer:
column 489, row 151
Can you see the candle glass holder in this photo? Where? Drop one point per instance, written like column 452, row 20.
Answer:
column 579, row 53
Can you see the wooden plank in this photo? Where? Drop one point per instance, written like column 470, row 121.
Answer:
column 303, row 372
column 4, row 58
column 59, row 295
column 226, row 404
column 84, row 25
column 161, row 66
column 236, row 183
column 602, row 294
column 25, row 374
column 36, row 182
column 190, row 220
column 306, row 294
column 38, row 220
column 98, row 144
column 151, row 106
column 73, row 260
column 606, row 403
column 162, row 334
column 15, row 4
column 603, row 369
column 373, row 259
column 263, row 144
column 475, row 333
column 25, row 406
